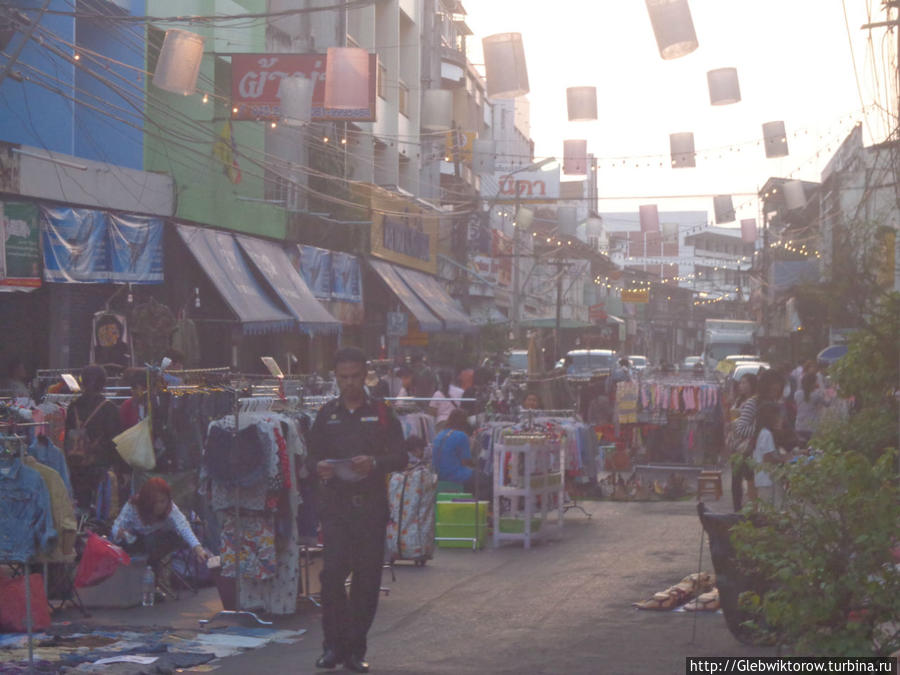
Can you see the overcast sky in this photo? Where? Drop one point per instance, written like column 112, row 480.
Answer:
column 794, row 64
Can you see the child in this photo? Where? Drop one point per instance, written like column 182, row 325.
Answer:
column 769, row 420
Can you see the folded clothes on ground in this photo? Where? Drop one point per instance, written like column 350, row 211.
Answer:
column 691, row 586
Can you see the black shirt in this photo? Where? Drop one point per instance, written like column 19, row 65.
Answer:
column 372, row 429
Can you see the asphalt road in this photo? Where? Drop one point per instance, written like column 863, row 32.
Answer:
column 562, row 607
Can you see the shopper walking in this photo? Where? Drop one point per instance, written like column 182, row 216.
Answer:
column 810, row 401
column 355, row 441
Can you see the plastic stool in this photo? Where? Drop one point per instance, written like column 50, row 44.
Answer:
column 709, row 483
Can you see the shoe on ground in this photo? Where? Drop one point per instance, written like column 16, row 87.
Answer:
column 356, row 664
column 329, row 660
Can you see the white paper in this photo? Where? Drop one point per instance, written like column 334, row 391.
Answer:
column 343, row 469
column 128, row 658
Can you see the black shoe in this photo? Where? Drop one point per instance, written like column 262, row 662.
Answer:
column 329, row 660
column 356, row 664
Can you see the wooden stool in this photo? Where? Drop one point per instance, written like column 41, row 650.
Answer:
column 709, row 483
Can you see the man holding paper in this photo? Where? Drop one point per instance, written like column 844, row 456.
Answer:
column 355, row 441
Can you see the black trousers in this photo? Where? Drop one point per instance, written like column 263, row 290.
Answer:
column 354, row 542
column 738, row 476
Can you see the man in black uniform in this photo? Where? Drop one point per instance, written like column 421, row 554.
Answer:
column 355, row 441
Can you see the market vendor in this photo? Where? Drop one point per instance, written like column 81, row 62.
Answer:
column 151, row 523
column 532, row 401
column 452, row 457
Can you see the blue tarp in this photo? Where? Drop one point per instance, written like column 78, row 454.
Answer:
column 276, row 267
column 221, row 259
column 345, row 277
column 315, row 266
column 88, row 246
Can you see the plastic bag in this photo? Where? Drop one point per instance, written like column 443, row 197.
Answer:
column 135, row 445
column 12, row 604
column 99, row 561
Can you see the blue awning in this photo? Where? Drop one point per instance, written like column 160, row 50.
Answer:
column 429, row 289
column 276, row 267
column 222, row 261
column 428, row 322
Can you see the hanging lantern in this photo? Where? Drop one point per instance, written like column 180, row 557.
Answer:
column 347, row 78
column 649, row 216
column 296, row 94
column 775, row 139
column 504, row 65
column 437, row 110
column 681, row 147
column 524, row 217
column 748, row 230
column 724, row 209
column 794, row 195
column 484, row 155
column 575, row 157
column 567, row 219
column 179, row 62
column 582, row 103
column 670, row 232
column 723, row 86
column 673, row 27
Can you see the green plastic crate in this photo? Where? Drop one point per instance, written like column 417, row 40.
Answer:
column 450, row 496
column 517, row 525
column 460, row 513
column 466, row 531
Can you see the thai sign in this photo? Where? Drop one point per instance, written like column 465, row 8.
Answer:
column 20, row 254
column 403, row 232
column 532, row 186
column 256, row 78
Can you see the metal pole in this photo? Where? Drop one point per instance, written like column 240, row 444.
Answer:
column 556, row 350
column 515, row 281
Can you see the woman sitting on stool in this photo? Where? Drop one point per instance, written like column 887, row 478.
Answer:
column 452, row 457
column 151, row 523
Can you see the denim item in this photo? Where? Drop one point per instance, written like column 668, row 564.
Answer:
column 26, row 522
column 237, row 459
column 46, row 453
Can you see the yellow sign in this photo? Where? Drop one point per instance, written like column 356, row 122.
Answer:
column 458, row 145
column 403, row 232
column 636, row 295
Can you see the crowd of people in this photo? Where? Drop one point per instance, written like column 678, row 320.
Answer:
column 772, row 418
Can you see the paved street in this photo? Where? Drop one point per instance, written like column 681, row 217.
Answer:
column 562, row 607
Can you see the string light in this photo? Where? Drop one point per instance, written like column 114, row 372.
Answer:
column 206, row 98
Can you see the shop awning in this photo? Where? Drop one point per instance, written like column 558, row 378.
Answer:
column 551, row 323
column 487, row 314
column 428, row 322
column 276, row 267
column 221, row 259
column 438, row 300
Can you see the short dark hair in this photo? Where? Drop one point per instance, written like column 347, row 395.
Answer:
column 458, row 420
column 350, row 355
column 414, row 443
column 93, row 379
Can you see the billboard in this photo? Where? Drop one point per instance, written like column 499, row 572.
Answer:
column 533, row 186
column 256, row 78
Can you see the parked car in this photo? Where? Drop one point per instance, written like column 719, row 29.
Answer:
column 689, row 362
column 831, row 353
column 741, row 368
column 638, row 362
column 584, row 364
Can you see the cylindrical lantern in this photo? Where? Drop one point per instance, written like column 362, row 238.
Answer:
column 347, row 78
column 649, row 217
column 504, row 65
column 575, row 157
column 524, row 217
column 723, row 86
column 775, row 139
column 179, row 62
column 582, row 103
column 484, row 155
column 681, row 147
column 437, row 110
column 794, row 195
column 670, row 232
column 748, row 230
column 296, row 94
column 567, row 218
column 673, row 27
column 724, row 208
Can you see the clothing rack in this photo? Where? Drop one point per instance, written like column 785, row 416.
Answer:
column 28, row 612
column 241, row 406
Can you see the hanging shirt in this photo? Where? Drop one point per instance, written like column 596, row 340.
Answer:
column 26, row 521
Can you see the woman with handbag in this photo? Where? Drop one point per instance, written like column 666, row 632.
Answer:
column 92, row 422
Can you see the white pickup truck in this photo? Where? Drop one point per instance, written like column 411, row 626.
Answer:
column 723, row 337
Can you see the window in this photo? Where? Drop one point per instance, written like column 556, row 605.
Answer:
column 403, row 99
column 381, row 80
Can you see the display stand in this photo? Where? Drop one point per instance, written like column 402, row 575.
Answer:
column 535, row 473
